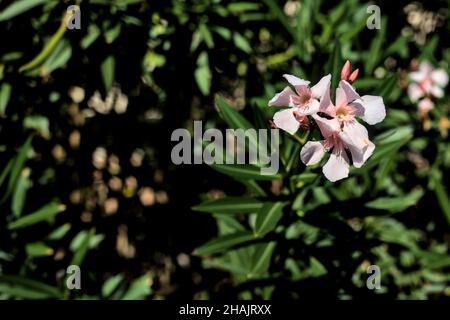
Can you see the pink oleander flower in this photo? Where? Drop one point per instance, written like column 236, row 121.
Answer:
column 350, row 105
column 426, row 82
column 335, row 139
column 343, row 131
column 302, row 102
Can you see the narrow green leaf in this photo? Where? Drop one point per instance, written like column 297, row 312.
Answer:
column 18, row 7
column 5, row 93
column 230, row 205
column 335, row 64
column 59, row 232
column 268, row 217
column 244, row 172
column 108, row 68
column 111, row 284
column 19, row 195
column 262, row 258
column 45, row 213
column 24, row 288
column 396, row 204
column 139, row 288
column 48, row 48
column 36, row 250
column 224, row 242
column 442, row 197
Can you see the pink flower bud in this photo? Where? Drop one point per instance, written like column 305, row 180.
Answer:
column 345, row 70
column 353, row 76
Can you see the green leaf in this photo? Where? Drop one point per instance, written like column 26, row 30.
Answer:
column 230, row 205
column 335, row 64
column 231, row 116
column 5, row 93
column 39, row 123
column 58, row 58
column 111, row 284
column 108, row 68
column 139, row 288
column 241, row 43
column 442, row 196
column 396, row 204
column 268, row 217
column 224, row 242
column 376, row 48
column 59, row 232
column 19, row 195
column 244, row 172
column 48, row 48
column 206, row 35
column 261, row 259
column 83, row 248
column 203, row 74
column 23, row 288
column 46, row 213
column 17, row 167
column 18, row 7
column 386, row 86
column 36, row 250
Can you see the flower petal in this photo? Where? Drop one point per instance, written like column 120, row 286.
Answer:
column 439, row 77
column 326, row 105
column 425, row 105
column 437, row 91
column 337, row 166
column 415, row 92
column 322, row 87
column 374, row 109
column 349, row 91
column 295, row 81
column 286, row 120
column 312, row 152
column 312, row 108
column 282, row 98
column 327, row 126
column 356, row 139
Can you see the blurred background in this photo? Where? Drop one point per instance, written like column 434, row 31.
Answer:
column 86, row 117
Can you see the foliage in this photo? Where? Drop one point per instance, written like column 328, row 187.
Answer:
column 86, row 176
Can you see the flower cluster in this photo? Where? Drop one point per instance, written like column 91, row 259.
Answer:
column 426, row 83
column 337, row 122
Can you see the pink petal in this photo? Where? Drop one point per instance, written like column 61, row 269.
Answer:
column 349, row 91
column 322, row 87
column 425, row 105
column 425, row 67
column 341, row 98
column 356, row 139
column 326, row 105
column 313, row 108
column 374, row 109
column 295, row 81
column 312, row 152
column 327, row 126
column 414, row 92
column 282, row 98
column 286, row 120
column 439, row 77
column 337, row 166
column 437, row 91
